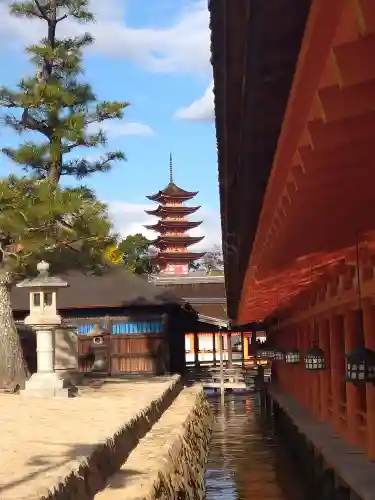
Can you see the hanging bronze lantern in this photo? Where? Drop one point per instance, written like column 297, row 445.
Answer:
column 292, row 357
column 279, row 355
column 360, row 366
column 266, row 353
column 314, row 359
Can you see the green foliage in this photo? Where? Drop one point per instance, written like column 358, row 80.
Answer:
column 135, row 250
column 67, row 227
column 54, row 102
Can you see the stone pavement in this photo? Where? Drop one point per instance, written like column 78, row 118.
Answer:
column 44, row 440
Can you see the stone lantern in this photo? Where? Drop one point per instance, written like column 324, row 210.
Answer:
column 44, row 319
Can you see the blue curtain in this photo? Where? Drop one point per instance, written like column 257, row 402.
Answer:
column 85, row 328
column 137, row 327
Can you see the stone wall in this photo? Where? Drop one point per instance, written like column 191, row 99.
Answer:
column 330, row 468
column 169, row 462
column 92, row 474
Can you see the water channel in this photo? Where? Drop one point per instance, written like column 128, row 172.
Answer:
column 246, row 461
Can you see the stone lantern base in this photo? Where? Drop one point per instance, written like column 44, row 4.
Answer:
column 46, row 385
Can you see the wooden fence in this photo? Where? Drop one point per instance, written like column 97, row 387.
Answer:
column 128, row 354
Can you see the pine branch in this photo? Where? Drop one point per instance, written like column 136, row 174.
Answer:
column 28, row 9
column 106, row 111
column 54, row 103
column 82, row 167
column 38, row 219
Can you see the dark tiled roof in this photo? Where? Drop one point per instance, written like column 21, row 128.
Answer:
column 171, row 191
column 117, row 287
column 199, row 290
column 212, row 310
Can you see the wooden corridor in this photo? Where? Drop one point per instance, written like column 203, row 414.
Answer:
column 225, row 378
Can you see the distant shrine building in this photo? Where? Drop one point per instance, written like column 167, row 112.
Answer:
column 206, row 294
column 173, row 241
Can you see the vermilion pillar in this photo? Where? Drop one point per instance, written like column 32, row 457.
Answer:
column 369, row 337
column 352, row 393
column 324, row 375
column 303, row 383
column 305, row 375
column 314, row 375
column 246, row 347
column 295, row 368
column 335, row 355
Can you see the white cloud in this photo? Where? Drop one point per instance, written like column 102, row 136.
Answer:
column 183, row 46
column 130, row 218
column 201, row 109
column 117, row 128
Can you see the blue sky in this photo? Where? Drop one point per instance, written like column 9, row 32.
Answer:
column 154, row 54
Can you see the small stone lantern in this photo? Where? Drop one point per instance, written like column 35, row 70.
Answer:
column 99, row 349
column 44, row 319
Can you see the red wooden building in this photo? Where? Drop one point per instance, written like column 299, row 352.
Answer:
column 295, row 120
column 173, row 241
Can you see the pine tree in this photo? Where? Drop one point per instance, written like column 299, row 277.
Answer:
column 55, row 103
column 59, row 107
column 38, row 220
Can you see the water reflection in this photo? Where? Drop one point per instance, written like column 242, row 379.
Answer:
column 245, row 461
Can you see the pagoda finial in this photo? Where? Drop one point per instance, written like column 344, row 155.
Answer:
column 170, row 169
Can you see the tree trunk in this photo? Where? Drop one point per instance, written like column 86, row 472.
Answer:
column 13, row 370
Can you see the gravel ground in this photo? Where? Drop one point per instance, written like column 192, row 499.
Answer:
column 41, row 440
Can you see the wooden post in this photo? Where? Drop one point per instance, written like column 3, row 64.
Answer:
column 334, row 339
column 253, row 342
column 299, row 367
column 214, row 348
column 313, row 376
column 352, row 393
column 229, row 348
column 369, row 337
column 303, row 382
column 242, row 350
column 196, row 348
column 323, row 329
column 221, row 366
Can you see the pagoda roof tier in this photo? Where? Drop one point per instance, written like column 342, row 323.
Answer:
column 164, row 211
column 176, row 257
column 177, row 240
column 172, row 192
column 164, row 225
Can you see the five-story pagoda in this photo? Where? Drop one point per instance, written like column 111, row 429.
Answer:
column 173, row 241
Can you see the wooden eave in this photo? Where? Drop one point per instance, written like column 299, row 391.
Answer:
column 163, row 225
column 179, row 256
column 177, row 240
column 319, row 198
column 255, row 46
column 163, row 211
